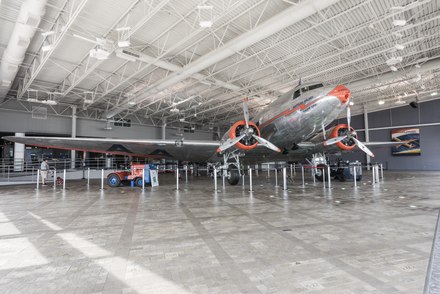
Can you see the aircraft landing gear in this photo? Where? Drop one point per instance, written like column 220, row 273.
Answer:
column 233, row 177
column 230, row 168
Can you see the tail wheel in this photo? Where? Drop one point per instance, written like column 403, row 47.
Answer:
column 138, row 182
column 113, row 180
column 233, row 177
column 319, row 174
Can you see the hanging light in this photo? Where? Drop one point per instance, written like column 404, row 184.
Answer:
column 205, row 15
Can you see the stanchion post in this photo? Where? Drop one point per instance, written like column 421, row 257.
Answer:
column 223, row 179
column 38, row 179
column 373, row 173
column 323, row 177
column 215, row 179
column 294, row 169
column 291, row 172
column 64, row 180
column 242, row 180
column 313, row 175
column 250, row 180
column 268, row 170
column 143, row 178
column 355, row 175
column 381, row 171
column 377, row 173
column 186, row 174
column 177, row 178
column 102, row 179
column 54, row 178
column 329, row 176
column 256, row 170
column 284, row 179
column 88, row 176
column 302, row 176
column 276, row 177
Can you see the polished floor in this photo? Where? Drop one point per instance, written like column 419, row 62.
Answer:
column 372, row 239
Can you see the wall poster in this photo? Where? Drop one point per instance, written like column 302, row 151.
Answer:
column 410, row 138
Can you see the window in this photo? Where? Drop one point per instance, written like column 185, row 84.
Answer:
column 122, row 123
column 296, row 94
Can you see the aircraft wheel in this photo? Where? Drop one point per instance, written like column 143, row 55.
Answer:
column 113, row 180
column 234, row 177
column 138, row 182
column 319, row 175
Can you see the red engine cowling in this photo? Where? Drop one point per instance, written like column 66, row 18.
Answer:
column 341, row 130
column 245, row 143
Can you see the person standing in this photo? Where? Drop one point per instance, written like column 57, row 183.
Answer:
column 44, row 171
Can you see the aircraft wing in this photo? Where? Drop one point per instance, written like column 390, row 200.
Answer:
column 184, row 150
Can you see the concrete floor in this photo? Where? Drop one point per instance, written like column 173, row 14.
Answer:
column 340, row 240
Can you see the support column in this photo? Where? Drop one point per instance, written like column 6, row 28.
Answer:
column 164, row 125
column 19, row 154
column 73, row 152
column 367, row 135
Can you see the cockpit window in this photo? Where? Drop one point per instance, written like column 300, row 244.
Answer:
column 298, row 92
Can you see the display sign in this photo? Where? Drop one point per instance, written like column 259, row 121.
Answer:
column 410, row 138
column 154, row 178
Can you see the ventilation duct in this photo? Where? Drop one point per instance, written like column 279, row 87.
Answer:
column 24, row 30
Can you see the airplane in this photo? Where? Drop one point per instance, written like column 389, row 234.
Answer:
column 291, row 128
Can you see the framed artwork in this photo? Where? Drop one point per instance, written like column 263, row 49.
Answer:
column 410, row 138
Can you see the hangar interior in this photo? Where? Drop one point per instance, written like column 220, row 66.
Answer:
column 179, row 77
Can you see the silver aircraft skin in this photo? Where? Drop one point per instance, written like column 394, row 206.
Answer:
column 291, row 128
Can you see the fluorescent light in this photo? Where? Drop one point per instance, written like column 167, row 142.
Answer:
column 32, row 100
column 124, row 43
column 49, row 102
column 393, row 68
column 394, row 60
column 399, row 22
column 132, row 103
column 205, row 23
column 400, row 102
column 123, row 29
column 381, row 102
column 351, row 103
column 434, row 93
column 174, row 110
column 46, row 48
column 399, row 47
column 49, row 33
column 99, row 54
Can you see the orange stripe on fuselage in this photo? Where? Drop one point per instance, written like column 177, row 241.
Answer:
column 287, row 112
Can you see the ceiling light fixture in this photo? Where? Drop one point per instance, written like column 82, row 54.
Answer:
column 394, row 60
column 205, row 16
column 132, row 103
column 393, row 68
column 434, row 94
column 381, row 102
column 351, row 103
column 399, row 22
column 399, row 46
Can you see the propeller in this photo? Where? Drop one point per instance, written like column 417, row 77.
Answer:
column 349, row 136
column 248, row 133
column 229, row 143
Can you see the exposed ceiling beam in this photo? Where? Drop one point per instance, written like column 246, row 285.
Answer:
column 276, row 23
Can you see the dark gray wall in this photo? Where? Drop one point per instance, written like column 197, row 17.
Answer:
column 428, row 112
column 16, row 121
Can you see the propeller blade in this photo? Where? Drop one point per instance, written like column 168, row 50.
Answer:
column 229, row 143
column 363, row 147
column 349, row 117
column 334, row 140
column 246, row 112
column 323, row 131
column 266, row 143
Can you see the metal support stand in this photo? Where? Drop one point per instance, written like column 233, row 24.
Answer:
column 355, row 176
column 223, row 180
column 102, row 179
column 250, row 180
column 268, row 171
column 294, row 169
column 88, row 176
column 256, row 170
column 276, row 177
column 215, row 179
column 242, row 181
column 38, row 179
column 177, row 178
column 373, row 173
column 186, row 174
column 302, row 176
column 54, row 178
column 64, row 180
column 143, row 179
column 284, row 179
column 323, row 177
column 381, row 171
column 291, row 172
column 329, row 176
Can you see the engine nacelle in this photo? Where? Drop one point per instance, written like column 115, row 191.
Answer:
column 246, row 143
column 341, row 130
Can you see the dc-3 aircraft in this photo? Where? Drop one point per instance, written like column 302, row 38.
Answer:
column 291, row 128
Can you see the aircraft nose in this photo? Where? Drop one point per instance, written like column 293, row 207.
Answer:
column 342, row 92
